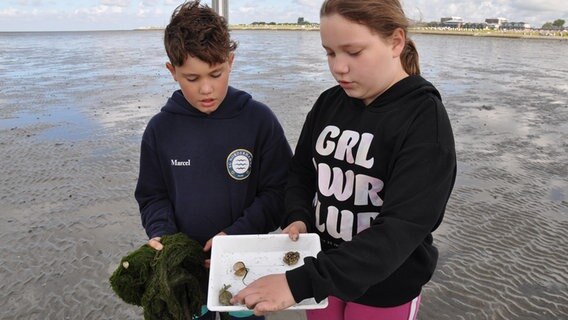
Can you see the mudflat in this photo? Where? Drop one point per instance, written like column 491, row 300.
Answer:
column 71, row 122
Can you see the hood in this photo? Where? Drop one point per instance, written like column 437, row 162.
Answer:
column 232, row 105
column 405, row 89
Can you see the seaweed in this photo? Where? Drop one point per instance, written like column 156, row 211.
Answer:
column 166, row 283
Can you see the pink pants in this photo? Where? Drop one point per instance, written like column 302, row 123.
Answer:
column 340, row 310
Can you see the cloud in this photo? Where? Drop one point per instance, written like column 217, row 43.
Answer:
column 143, row 12
column 98, row 11
column 244, row 9
column 149, row 3
column 309, row 3
column 534, row 12
column 116, row 3
column 10, row 12
column 129, row 14
column 148, row 12
column 541, row 5
column 29, row 2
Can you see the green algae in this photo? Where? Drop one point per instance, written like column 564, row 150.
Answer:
column 166, row 283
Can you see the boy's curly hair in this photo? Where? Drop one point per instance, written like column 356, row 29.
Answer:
column 198, row 31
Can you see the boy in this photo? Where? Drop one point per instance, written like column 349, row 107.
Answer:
column 213, row 161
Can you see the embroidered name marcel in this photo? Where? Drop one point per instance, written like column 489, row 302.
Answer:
column 176, row 163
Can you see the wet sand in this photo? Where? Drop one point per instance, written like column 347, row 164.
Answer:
column 69, row 140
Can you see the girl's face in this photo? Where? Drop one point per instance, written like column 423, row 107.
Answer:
column 363, row 63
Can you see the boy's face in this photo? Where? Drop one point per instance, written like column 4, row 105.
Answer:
column 202, row 85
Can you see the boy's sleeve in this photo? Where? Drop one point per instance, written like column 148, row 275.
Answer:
column 300, row 190
column 151, row 193
column 265, row 212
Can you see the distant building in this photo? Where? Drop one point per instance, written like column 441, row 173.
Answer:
column 442, row 20
column 475, row 25
column 495, row 23
column 222, row 8
column 452, row 22
column 301, row 20
column 515, row 26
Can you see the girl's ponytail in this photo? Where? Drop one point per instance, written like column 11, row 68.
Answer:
column 409, row 58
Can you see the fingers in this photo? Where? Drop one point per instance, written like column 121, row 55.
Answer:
column 294, row 229
column 209, row 242
column 249, row 295
column 266, row 294
column 251, row 301
column 294, row 233
column 208, row 245
column 239, row 298
column 256, row 303
column 155, row 243
column 264, row 307
column 260, row 309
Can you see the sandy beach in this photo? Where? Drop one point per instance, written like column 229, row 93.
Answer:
column 70, row 128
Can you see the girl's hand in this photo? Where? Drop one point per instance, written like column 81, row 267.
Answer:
column 267, row 294
column 294, row 229
column 207, row 247
column 155, row 243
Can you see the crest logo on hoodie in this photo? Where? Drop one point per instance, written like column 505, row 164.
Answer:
column 239, row 164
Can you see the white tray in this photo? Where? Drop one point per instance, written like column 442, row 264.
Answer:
column 262, row 255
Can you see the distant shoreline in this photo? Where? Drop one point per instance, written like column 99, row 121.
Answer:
column 521, row 34
column 512, row 34
column 281, row 27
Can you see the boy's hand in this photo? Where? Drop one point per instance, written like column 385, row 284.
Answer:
column 207, row 247
column 155, row 243
column 294, row 229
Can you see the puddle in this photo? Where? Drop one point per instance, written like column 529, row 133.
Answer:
column 67, row 124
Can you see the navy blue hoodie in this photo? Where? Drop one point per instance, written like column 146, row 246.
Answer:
column 202, row 174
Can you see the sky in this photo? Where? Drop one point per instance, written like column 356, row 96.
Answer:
column 73, row 15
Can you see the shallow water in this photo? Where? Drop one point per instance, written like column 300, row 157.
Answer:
column 73, row 107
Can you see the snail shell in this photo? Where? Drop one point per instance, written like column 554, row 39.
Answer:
column 225, row 296
column 238, row 265
column 240, row 269
column 291, row 257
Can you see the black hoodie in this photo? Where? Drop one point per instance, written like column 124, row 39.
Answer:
column 202, row 174
column 381, row 175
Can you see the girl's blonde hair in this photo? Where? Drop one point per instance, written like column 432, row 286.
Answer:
column 382, row 17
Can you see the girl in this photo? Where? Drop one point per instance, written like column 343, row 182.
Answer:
column 377, row 151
